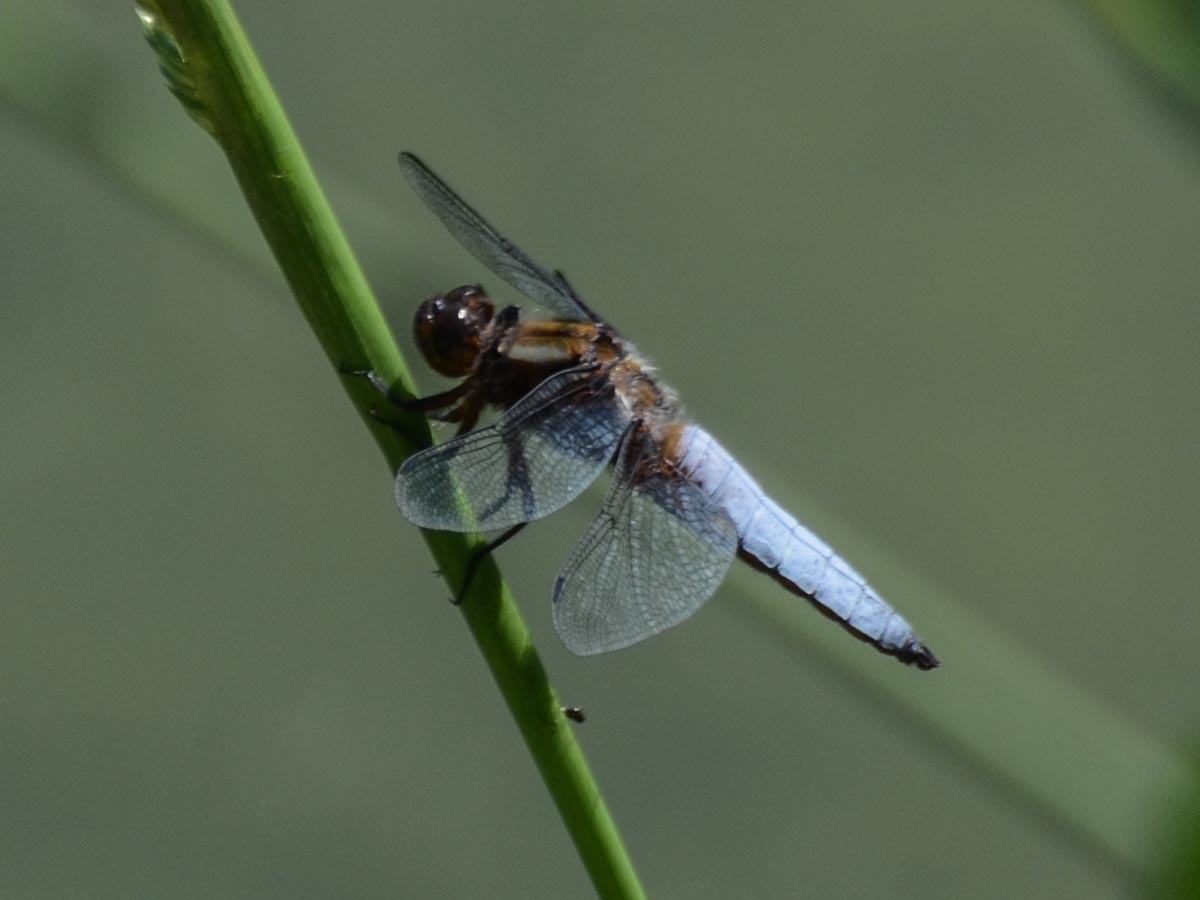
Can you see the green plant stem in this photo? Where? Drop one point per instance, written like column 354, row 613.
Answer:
column 229, row 94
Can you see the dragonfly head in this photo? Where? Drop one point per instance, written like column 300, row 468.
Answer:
column 448, row 329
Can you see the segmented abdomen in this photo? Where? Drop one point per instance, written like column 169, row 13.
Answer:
column 794, row 554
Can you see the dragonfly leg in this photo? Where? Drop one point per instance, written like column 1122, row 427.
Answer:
column 435, row 401
column 433, row 406
column 478, row 556
column 466, row 414
column 428, row 404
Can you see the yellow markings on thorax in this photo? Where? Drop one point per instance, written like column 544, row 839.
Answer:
column 549, row 342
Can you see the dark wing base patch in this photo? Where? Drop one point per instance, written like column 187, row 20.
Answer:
column 536, row 458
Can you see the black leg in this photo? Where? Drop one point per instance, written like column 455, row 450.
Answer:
column 466, row 414
column 416, row 405
column 434, row 401
column 411, row 404
column 377, row 382
column 477, row 558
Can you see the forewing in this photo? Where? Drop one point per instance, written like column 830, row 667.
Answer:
column 658, row 549
column 486, row 244
column 539, row 456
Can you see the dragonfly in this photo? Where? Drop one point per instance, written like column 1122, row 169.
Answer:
column 576, row 398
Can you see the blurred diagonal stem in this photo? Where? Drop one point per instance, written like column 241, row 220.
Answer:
column 212, row 69
column 1163, row 36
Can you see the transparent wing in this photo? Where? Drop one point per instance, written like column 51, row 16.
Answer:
column 539, row 456
column 486, row 244
column 658, row 549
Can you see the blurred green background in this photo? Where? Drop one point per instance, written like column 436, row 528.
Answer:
column 929, row 269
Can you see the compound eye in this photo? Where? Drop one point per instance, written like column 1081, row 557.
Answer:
column 448, row 329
